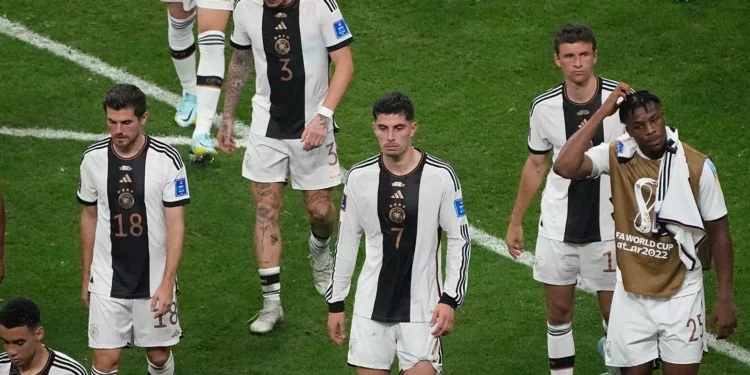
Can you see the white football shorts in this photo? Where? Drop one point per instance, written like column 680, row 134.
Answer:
column 269, row 160
column 218, row 4
column 374, row 344
column 561, row 263
column 647, row 327
column 114, row 322
column 186, row 4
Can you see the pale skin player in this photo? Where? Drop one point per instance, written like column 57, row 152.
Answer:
column 648, row 128
column 268, row 196
column 126, row 130
column 395, row 135
column 576, row 61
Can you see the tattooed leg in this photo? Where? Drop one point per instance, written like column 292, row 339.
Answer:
column 268, row 198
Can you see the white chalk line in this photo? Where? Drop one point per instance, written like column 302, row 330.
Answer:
column 96, row 65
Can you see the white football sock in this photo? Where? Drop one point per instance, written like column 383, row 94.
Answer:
column 561, row 348
column 182, row 46
column 270, row 283
column 210, row 78
column 94, row 371
column 318, row 248
column 165, row 369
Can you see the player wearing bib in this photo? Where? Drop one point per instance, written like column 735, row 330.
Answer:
column 133, row 188
column 576, row 231
column 291, row 44
column 22, row 337
column 666, row 200
column 402, row 200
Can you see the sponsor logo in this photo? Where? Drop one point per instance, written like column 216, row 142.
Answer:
column 126, row 168
column 398, row 184
column 397, row 195
column 126, row 179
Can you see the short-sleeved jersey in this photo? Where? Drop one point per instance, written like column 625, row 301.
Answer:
column 649, row 263
column 572, row 211
column 291, row 47
column 403, row 218
column 131, row 230
column 57, row 364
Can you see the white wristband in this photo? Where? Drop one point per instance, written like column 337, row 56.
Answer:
column 325, row 112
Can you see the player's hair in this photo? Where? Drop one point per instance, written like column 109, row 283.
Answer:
column 20, row 312
column 394, row 103
column 123, row 96
column 574, row 33
column 639, row 99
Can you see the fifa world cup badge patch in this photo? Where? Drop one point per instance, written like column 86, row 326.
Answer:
column 180, row 187
column 619, row 147
column 343, row 203
column 340, row 28
column 459, row 204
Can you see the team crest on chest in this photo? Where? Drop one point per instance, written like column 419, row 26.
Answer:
column 397, row 213
column 125, row 198
column 281, row 44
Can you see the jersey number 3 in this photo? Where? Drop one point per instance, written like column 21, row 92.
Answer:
column 285, row 69
column 136, row 227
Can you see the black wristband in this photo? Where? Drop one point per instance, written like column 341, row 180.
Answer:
column 336, row 307
column 448, row 300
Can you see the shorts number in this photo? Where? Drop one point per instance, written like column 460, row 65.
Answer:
column 172, row 316
column 136, row 227
column 695, row 327
column 286, row 70
column 609, row 262
column 332, row 153
column 398, row 238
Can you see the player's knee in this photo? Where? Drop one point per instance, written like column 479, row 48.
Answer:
column 176, row 10
column 320, row 212
column 212, row 20
column 106, row 360
column 158, row 356
column 421, row 368
column 559, row 313
column 268, row 210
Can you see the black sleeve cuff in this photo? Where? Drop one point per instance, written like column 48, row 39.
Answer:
column 176, row 203
column 238, row 46
column 538, row 152
column 336, row 307
column 85, row 203
column 341, row 45
column 448, row 300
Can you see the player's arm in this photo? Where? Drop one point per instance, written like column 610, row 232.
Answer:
column 338, row 39
column 347, row 246
column 87, row 196
column 175, row 195
column 2, row 237
column 531, row 178
column 240, row 66
column 453, row 220
column 572, row 163
column 716, row 222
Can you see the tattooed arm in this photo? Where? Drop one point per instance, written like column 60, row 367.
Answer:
column 239, row 71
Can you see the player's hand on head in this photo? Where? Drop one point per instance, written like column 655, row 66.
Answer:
column 315, row 133
column 724, row 319
column 612, row 103
column 442, row 320
column 224, row 137
column 337, row 327
column 514, row 240
column 162, row 299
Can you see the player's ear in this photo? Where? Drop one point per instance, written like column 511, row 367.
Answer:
column 557, row 60
column 144, row 118
column 596, row 56
column 39, row 333
column 414, row 127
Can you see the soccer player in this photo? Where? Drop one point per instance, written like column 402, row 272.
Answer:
column 666, row 199
column 292, row 43
column 2, row 237
column 181, row 18
column 403, row 200
column 133, row 188
column 22, row 337
column 575, row 227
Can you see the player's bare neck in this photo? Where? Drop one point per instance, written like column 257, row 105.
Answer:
column 132, row 149
column 581, row 93
column 38, row 363
column 403, row 164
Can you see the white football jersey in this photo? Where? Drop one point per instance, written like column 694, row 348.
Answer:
column 291, row 47
column 573, row 211
column 131, row 230
column 403, row 218
column 57, row 364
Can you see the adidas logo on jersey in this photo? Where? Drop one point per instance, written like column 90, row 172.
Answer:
column 398, row 195
column 126, row 179
column 281, row 26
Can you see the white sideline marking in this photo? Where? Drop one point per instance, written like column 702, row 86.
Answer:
column 20, row 32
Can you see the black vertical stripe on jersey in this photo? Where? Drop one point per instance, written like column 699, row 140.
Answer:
column 393, row 296
column 130, row 254
column 582, row 224
column 287, row 112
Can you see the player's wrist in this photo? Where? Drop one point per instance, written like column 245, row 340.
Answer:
column 336, row 307
column 325, row 112
column 448, row 300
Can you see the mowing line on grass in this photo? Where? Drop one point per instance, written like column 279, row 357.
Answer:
column 20, row 32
